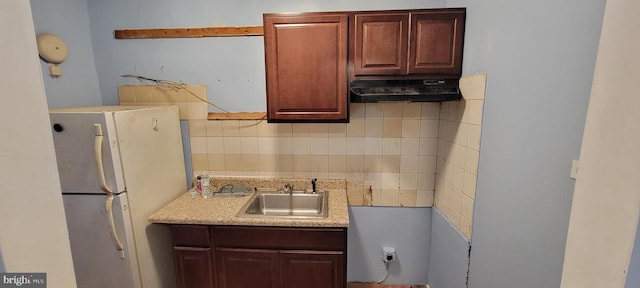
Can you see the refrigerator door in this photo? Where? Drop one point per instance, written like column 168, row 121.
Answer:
column 96, row 262
column 153, row 164
column 74, row 137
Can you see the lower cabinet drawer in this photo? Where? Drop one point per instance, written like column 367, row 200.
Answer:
column 280, row 238
column 190, row 235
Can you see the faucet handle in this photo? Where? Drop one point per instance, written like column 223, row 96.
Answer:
column 314, row 185
column 287, row 187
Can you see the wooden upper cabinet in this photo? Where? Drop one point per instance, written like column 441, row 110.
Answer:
column 306, row 67
column 436, row 42
column 381, row 42
column 400, row 43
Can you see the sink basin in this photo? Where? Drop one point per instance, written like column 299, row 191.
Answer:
column 284, row 205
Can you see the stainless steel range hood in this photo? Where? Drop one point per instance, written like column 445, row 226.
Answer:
column 369, row 91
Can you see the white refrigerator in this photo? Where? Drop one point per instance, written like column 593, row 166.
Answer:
column 118, row 165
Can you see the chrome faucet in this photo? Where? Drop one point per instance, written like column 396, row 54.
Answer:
column 288, row 188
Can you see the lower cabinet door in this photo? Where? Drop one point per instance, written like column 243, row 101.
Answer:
column 312, row 269
column 247, row 268
column 193, row 267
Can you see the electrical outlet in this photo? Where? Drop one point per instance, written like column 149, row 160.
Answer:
column 575, row 165
column 388, row 254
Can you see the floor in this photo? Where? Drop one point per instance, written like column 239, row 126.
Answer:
column 374, row 285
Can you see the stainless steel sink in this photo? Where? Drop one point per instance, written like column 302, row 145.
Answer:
column 297, row 204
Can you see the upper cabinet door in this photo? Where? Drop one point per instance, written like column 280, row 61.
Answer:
column 381, row 42
column 306, row 66
column 436, row 42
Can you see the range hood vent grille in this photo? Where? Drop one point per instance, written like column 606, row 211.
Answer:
column 370, row 91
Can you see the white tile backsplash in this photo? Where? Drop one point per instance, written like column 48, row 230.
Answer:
column 374, row 128
column 199, row 145
column 215, row 145
column 267, row 145
column 410, row 146
column 372, row 146
column 458, row 144
column 284, row 145
column 337, row 146
column 231, row 128
column 391, row 146
column 409, row 164
column 249, row 145
column 411, row 111
column 319, row 146
column 412, row 128
column 301, row 145
column 355, row 146
column 374, row 111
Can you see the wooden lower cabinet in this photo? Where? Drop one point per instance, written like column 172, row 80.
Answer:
column 311, row 269
column 247, row 268
column 264, row 257
column 193, row 267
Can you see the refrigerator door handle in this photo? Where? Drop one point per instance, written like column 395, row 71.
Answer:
column 112, row 226
column 98, row 153
column 103, row 185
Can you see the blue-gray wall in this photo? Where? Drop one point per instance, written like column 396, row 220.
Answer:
column 449, row 254
column 633, row 278
column 408, row 230
column 78, row 85
column 539, row 57
column 231, row 68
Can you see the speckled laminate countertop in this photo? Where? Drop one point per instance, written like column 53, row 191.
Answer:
column 222, row 211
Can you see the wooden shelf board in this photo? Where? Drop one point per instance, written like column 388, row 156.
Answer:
column 237, row 116
column 189, row 32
